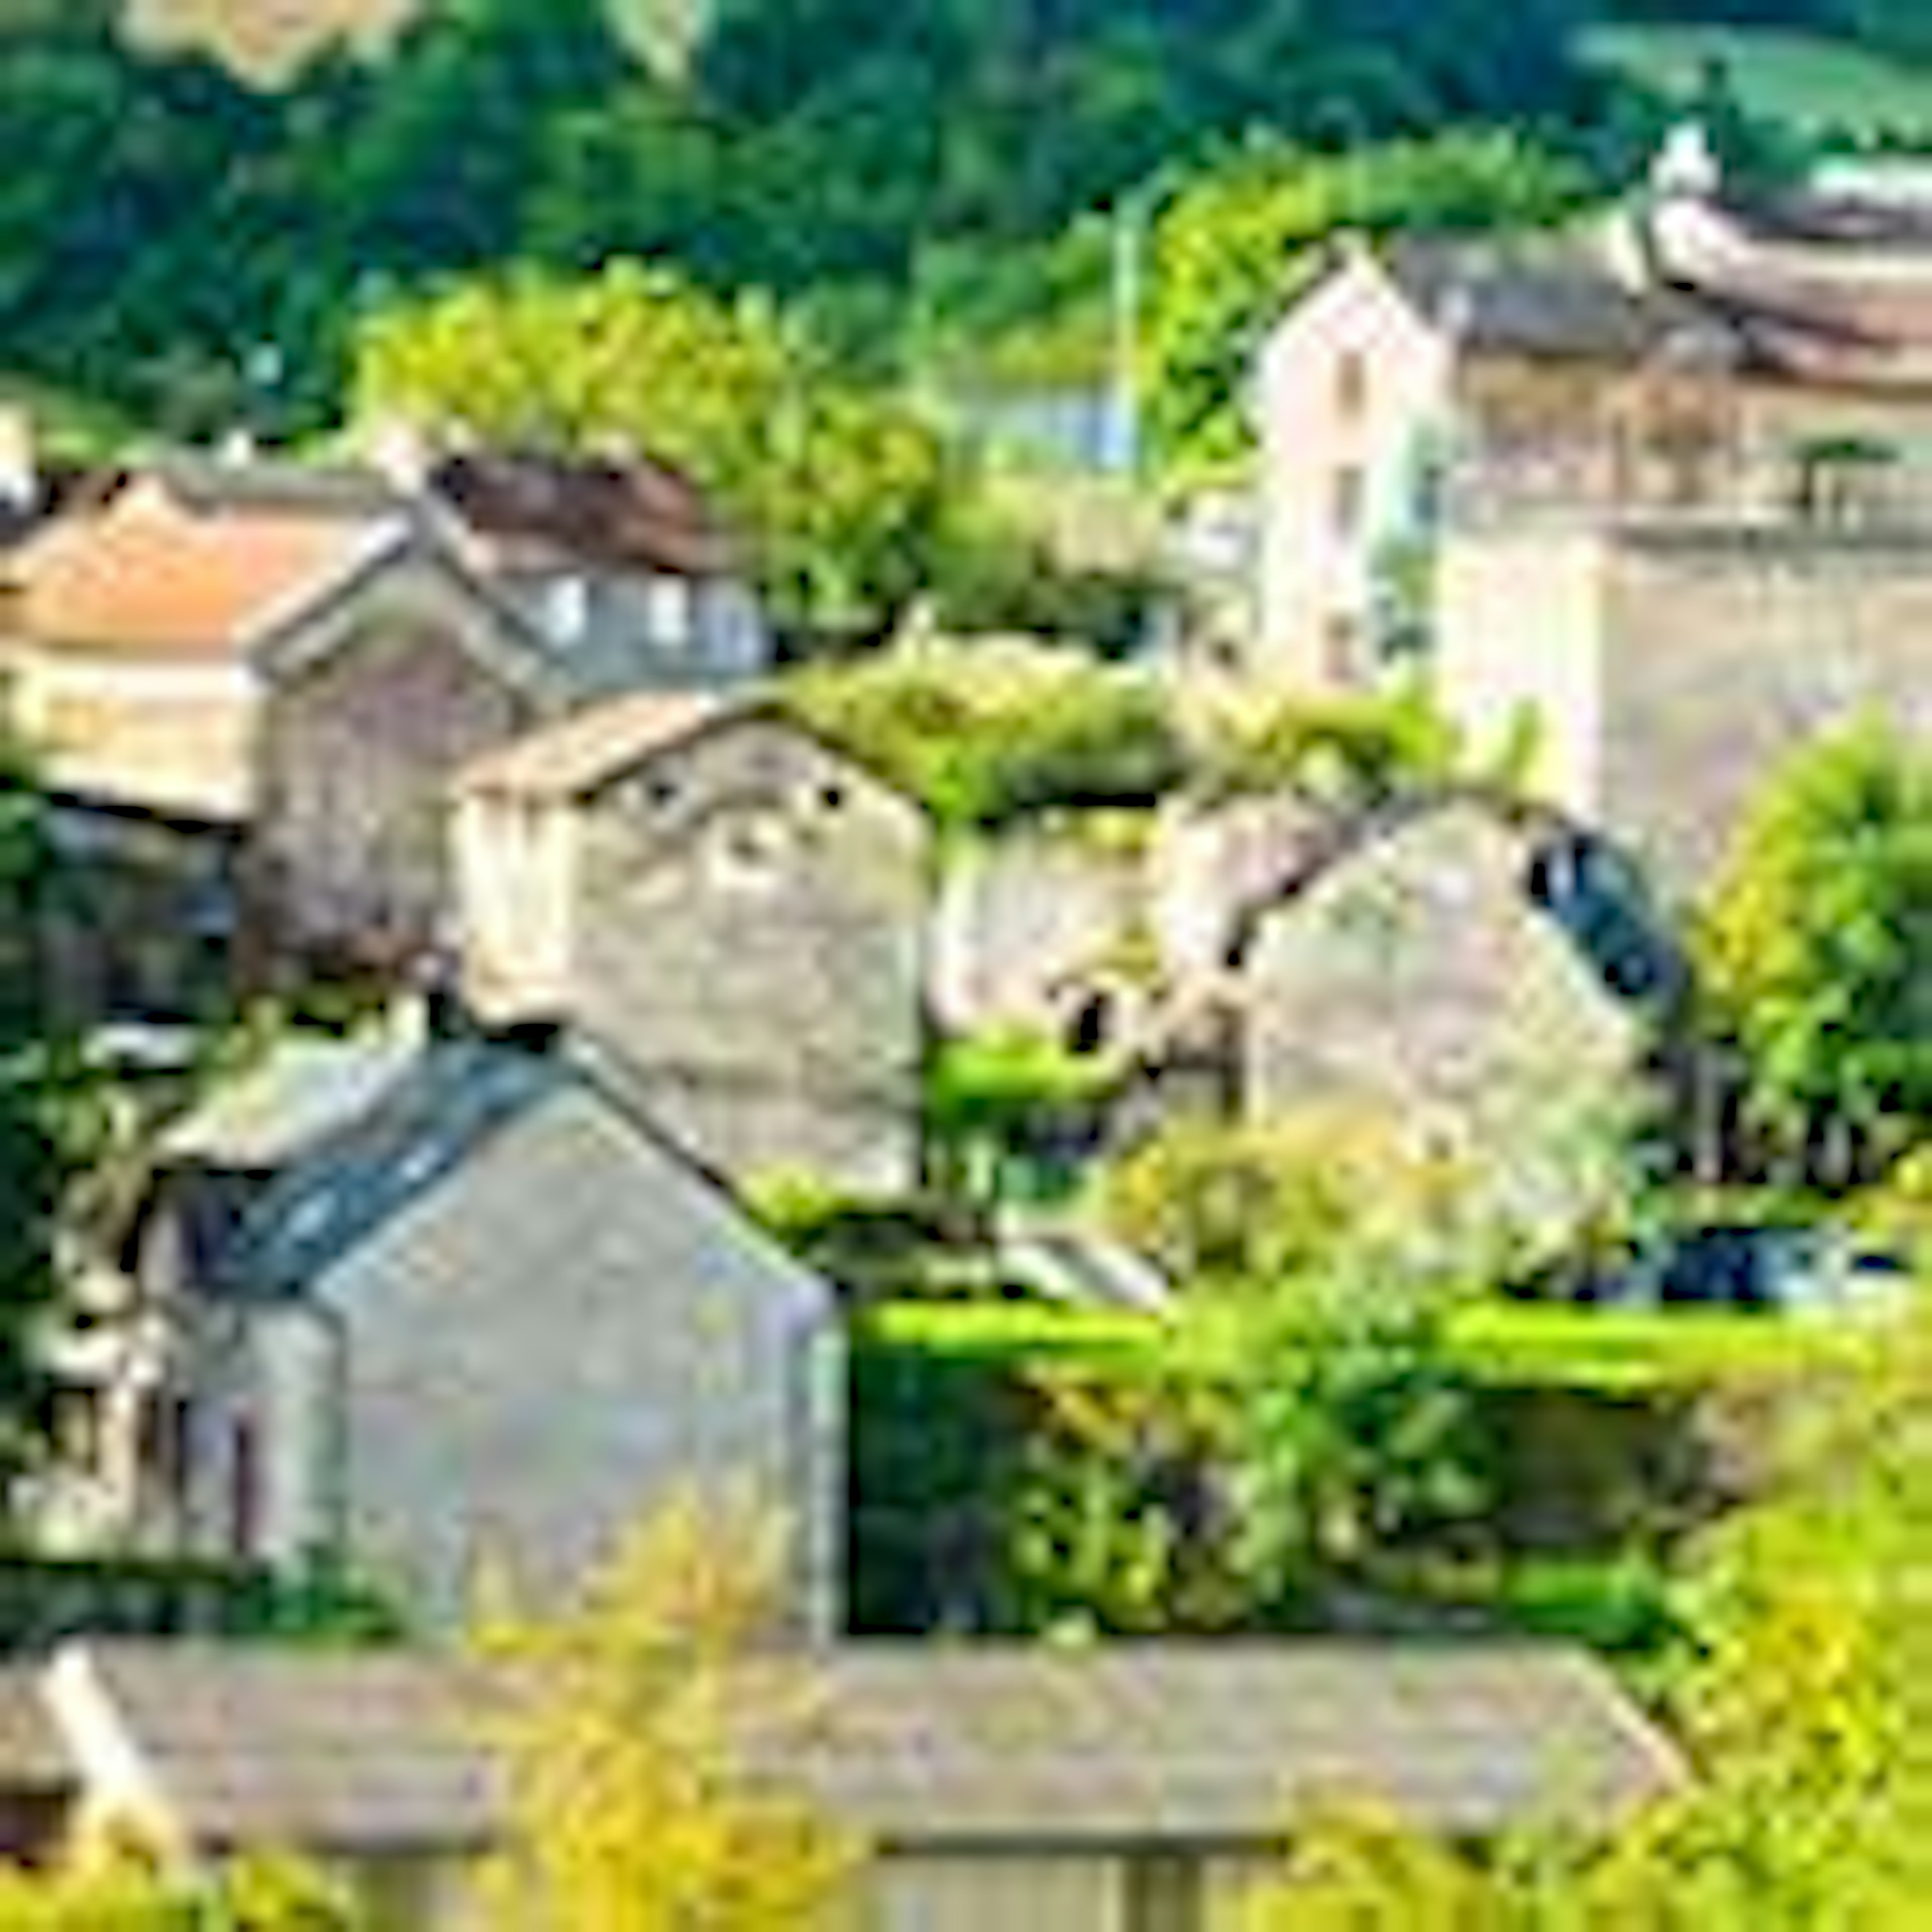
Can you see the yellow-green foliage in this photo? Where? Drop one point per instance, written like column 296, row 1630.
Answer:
column 122, row 1893
column 836, row 491
column 1256, row 1203
column 1817, row 947
column 1804, row 1708
column 988, row 732
column 625, row 1813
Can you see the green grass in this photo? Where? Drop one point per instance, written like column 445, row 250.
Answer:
column 1816, row 86
column 1508, row 1344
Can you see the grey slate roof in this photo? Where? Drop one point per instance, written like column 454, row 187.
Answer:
column 1557, row 296
column 978, row 1746
column 332, row 1752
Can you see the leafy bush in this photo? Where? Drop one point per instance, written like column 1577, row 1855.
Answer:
column 1357, row 749
column 986, row 733
column 1816, row 949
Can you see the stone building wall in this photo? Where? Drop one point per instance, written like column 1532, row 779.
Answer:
column 1416, row 978
column 357, row 750
column 1675, row 666
column 747, row 934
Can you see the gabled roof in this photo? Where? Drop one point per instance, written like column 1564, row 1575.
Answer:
column 519, row 506
column 1781, row 294
column 1608, row 917
column 1557, row 297
column 307, row 1090
column 145, row 575
column 970, row 1747
column 349, row 1138
column 579, row 753
column 252, row 1748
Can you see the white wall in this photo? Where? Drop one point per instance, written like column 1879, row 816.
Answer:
column 1312, row 573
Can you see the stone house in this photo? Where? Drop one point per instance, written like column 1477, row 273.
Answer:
column 1685, row 356
column 1045, row 1789
column 1485, row 975
column 424, row 1304
column 312, row 676
column 733, row 909
column 313, row 653
column 619, row 563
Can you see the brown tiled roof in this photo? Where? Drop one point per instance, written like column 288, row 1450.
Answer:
column 589, row 748
column 637, row 512
column 973, row 1746
column 143, row 574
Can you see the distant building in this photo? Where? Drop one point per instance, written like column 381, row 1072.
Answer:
column 1684, row 358
column 313, row 654
column 1666, row 670
column 428, row 1305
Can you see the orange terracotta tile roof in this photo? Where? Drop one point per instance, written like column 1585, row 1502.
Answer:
column 585, row 750
column 145, row 574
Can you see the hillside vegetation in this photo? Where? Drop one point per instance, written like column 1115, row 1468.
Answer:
column 1830, row 88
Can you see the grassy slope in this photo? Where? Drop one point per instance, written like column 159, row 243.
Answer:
column 1818, row 86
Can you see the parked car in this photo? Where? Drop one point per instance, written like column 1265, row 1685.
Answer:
column 1793, row 1270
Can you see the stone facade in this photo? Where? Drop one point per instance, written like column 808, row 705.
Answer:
column 1676, row 357
column 1137, row 911
column 465, row 1306
column 738, row 914
column 1672, row 667
column 1418, row 975
column 365, row 721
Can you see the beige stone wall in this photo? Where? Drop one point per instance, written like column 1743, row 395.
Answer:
column 747, row 932
column 356, row 753
column 1674, row 666
column 1344, row 386
column 1724, row 652
column 172, row 734
column 1520, row 616
column 1416, row 978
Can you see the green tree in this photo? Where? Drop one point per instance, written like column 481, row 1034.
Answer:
column 1241, row 240
column 47, row 1117
column 1354, row 1432
column 626, row 1814
column 836, row 491
column 1815, row 947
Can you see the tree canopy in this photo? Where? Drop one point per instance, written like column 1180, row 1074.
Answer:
column 1816, row 947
